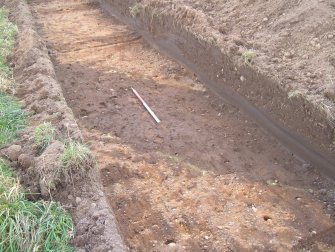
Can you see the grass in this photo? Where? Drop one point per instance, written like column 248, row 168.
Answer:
column 136, row 9
column 5, row 168
column 7, row 39
column 76, row 158
column 248, row 56
column 44, row 134
column 27, row 225
column 24, row 225
column 294, row 93
column 12, row 118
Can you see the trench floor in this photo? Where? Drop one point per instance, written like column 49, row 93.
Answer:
column 206, row 178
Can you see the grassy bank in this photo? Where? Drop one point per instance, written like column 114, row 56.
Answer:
column 12, row 118
column 27, row 225
column 24, row 225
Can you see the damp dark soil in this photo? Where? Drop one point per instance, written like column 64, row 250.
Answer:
column 207, row 178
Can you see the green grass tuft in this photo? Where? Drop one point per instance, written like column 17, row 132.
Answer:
column 5, row 168
column 12, row 118
column 76, row 158
column 44, row 134
column 248, row 56
column 27, row 225
column 136, row 9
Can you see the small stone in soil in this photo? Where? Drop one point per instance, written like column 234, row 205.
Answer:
column 78, row 200
column 323, row 191
column 171, row 244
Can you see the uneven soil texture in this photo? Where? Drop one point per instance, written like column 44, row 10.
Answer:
column 270, row 65
column 207, row 178
column 43, row 101
column 295, row 41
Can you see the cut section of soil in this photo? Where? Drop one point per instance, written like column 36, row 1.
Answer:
column 185, row 34
column 206, row 178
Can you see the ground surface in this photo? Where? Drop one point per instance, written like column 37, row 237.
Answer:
column 294, row 41
column 207, row 177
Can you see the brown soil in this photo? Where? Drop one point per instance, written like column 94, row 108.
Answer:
column 41, row 97
column 295, row 41
column 206, row 178
column 189, row 36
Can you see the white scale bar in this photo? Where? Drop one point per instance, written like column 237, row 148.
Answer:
column 146, row 106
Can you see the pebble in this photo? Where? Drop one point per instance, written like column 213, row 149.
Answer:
column 172, row 244
column 265, row 19
column 206, row 237
column 113, row 92
column 288, row 55
column 242, row 78
column 306, row 165
column 330, row 36
column 323, row 191
column 78, row 200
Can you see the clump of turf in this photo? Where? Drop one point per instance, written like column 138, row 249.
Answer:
column 76, row 158
column 12, row 118
column 44, row 134
column 27, row 225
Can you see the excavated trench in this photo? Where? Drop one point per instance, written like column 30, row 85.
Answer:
column 207, row 177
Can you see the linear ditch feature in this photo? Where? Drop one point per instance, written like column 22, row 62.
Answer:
column 206, row 61
column 205, row 178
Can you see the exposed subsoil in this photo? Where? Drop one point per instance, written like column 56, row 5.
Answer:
column 295, row 41
column 206, row 178
column 278, row 91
